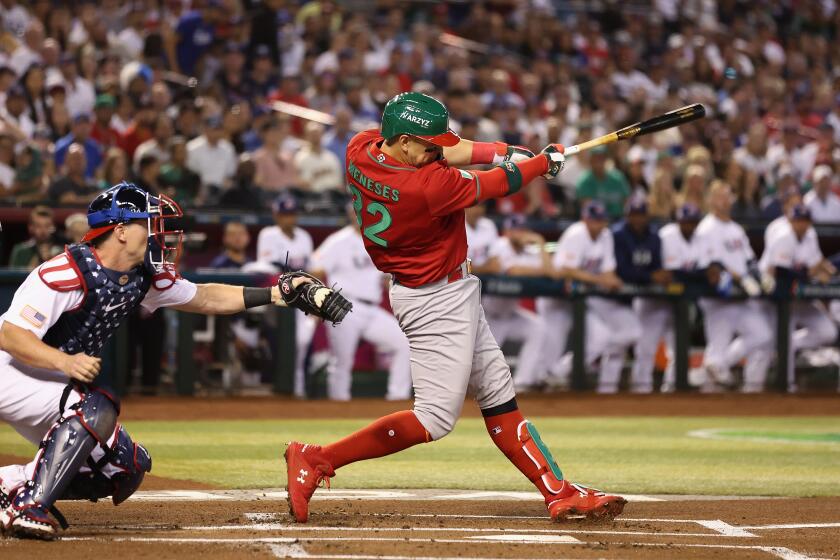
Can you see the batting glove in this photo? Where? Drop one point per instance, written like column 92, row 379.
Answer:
column 556, row 159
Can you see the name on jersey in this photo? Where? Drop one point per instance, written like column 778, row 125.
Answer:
column 371, row 185
column 405, row 115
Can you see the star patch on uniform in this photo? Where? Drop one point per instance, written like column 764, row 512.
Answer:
column 33, row 316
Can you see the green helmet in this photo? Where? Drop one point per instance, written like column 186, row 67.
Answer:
column 418, row 115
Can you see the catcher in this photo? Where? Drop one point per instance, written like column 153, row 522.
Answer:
column 53, row 333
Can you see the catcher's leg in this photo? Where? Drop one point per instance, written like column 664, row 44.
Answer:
column 64, row 450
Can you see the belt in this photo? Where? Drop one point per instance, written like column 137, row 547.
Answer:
column 462, row 271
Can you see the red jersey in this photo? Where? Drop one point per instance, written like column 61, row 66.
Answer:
column 412, row 219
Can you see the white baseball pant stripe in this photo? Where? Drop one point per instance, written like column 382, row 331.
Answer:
column 377, row 326
column 452, row 351
column 529, row 328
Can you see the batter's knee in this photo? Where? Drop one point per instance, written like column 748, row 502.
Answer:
column 438, row 420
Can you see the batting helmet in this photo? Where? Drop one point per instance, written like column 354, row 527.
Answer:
column 420, row 115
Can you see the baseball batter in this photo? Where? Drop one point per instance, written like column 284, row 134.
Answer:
column 342, row 259
column 681, row 254
column 585, row 253
column 520, row 252
column 53, row 333
column 792, row 252
column 409, row 198
column 725, row 246
column 277, row 243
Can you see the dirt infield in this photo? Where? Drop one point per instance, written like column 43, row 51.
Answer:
column 439, row 528
column 565, row 404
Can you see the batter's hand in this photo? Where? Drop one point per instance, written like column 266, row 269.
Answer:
column 556, row 159
column 517, row 154
column 82, row 367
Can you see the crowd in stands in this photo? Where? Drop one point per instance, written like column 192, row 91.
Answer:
column 179, row 95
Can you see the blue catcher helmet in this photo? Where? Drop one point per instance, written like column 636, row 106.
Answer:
column 127, row 202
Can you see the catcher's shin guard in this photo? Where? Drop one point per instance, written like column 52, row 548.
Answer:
column 64, row 450
column 547, row 470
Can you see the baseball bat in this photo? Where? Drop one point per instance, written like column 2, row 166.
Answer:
column 661, row 122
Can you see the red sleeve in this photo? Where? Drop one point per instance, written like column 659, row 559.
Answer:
column 448, row 189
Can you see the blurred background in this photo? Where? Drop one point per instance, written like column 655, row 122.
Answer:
column 228, row 105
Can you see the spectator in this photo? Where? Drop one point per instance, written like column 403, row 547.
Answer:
column 73, row 187
column 40, row 246
column 178, row 180
column 7, row 162
column 263, row 79
column 28, row 52
column 235, row 241
column 33, row 82
column 81, row 96
column 319, row 169
column 599, row 183
column 80, row 134
column 114, row 170
column 244, row 193
column 337, row 138
column 693, row 187
column 139, row 130
column 231, row 80
column 275, row 169
column 196, row 31
column 14, row 111
column 30, row 178
column 823, row 203
column 662, row 199
column 212, row 157
column 75, row 227
column 148, row 170
column 157, row 145
column 103, row 130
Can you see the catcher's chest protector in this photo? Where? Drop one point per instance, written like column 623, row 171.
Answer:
column 110, row 296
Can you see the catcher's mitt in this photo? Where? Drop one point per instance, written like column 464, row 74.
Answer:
column 313, row 297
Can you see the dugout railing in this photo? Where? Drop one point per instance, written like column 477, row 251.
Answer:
column 116, row 365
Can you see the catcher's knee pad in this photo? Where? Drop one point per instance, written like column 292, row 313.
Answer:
column 67, row 447
column 538, row 452
column 128, row 463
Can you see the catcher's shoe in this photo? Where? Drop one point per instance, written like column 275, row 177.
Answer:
column 589, row 502
column 29, row 522
column 305, row 469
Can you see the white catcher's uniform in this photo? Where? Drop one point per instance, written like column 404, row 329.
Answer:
column 727, row 243
column 678, row 253
column 811, row 326
column 272, row 247
column 30, row 397
column 610, row 326
column 508, row 320
column 343, row 257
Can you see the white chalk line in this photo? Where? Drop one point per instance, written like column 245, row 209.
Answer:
column 559, row 529
column 779, row 551
column 722, row 435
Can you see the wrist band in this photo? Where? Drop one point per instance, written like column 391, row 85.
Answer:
column 255, row 297
column 487, row 152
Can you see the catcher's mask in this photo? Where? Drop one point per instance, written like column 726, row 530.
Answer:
column 127, row 202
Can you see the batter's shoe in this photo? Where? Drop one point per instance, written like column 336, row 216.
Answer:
column 29, row 522
column 306, row 468
column 591, row 503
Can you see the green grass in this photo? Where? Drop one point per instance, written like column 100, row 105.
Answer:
column 632, row 455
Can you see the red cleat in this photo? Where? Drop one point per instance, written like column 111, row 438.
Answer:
column 589, row 502
column 305, row 469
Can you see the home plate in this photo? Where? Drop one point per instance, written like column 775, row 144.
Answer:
column 530, row 539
